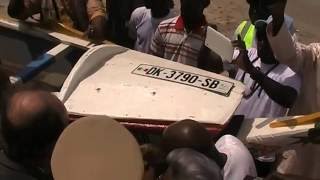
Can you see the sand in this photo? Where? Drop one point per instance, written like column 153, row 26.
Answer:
column 227, row 14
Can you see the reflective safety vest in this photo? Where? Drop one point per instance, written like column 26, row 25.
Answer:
column 247, row 32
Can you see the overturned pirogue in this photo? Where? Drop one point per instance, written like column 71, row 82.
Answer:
column 140, row 90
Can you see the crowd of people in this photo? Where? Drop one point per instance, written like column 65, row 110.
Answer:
column 281, row 77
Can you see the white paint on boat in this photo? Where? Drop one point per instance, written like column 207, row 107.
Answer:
column 257, row 131
column 102, row 83
column 45, row 34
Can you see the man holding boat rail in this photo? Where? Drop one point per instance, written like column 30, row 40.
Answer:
column 31, row 122
column 86, row 15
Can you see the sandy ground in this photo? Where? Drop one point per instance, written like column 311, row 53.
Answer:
column 227, row 14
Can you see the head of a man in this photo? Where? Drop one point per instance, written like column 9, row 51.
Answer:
column 192, row 12
column 258, row 10
column 187, row 134
column 187, row 164
column 190, row 134
column 31, row 124
column 263, row 46
column 158, row 5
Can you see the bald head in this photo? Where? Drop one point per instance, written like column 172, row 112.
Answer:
column 191, row 134
column 32, row 124
column 25, row 107
column 187, row 134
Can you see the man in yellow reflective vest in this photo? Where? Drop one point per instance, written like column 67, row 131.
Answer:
column 257, row 11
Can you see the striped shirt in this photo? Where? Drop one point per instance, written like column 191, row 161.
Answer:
column 171, row 41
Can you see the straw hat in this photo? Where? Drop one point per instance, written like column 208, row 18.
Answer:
column 96, row 148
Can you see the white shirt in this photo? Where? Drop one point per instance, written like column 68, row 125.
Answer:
column 239, row 160
column 142, row 27
column 288, row 20
column 305, row 60
column 260, row 104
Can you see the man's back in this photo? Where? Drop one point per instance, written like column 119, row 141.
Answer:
column 172, row 42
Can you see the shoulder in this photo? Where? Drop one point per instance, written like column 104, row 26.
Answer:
column 228, row 140
column 139, row 12
column 167, row 26
column 239, row 160
column 242, row 24
column 289, row 20
column 169, row 22
column 310, row 53
column 231, row 145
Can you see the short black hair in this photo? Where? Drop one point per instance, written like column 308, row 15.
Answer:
column 15, row 8
column 205, row 3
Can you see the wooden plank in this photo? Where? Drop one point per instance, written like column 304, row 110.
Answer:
column 309, row 119
column 33, row 30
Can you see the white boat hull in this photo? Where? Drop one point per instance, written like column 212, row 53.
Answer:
column 102, row 82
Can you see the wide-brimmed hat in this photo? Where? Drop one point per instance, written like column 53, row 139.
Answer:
column 96, row 148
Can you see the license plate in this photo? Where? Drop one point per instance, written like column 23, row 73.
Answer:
column 177, row 76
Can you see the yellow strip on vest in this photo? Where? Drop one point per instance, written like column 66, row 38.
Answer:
column 247, row 32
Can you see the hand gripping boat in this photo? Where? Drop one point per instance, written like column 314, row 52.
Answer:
column 139, row 90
